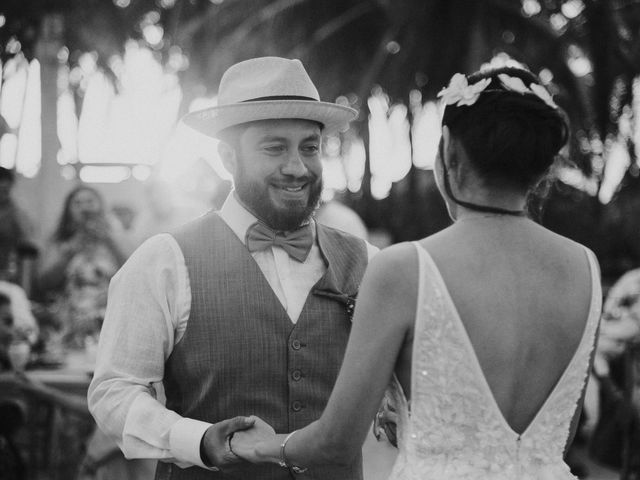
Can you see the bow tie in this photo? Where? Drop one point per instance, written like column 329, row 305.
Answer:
column 297, row 243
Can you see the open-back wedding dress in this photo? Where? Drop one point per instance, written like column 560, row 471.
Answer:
column 455, row 429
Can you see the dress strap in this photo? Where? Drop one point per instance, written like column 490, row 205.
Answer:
column 422, row 272
column 595, row 309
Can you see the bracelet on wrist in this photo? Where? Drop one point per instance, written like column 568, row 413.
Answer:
column 283, row 462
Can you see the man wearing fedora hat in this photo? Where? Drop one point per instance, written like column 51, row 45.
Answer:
column 244, row 311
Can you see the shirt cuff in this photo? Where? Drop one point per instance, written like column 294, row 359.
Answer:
column 184, row 441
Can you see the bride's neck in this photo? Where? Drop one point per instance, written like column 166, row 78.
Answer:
column 500, row 200
column 464, row 214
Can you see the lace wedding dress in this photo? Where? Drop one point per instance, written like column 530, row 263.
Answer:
column 454, row 429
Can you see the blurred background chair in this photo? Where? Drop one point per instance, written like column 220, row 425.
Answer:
column 47, row 428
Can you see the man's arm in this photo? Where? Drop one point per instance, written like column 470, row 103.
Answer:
column 149, row 304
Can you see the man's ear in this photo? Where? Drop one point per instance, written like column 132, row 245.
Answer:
column 228, row 156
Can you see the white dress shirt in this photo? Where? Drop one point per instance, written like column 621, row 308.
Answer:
column 147, row 314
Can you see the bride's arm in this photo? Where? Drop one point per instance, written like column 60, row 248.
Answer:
column 383, row 320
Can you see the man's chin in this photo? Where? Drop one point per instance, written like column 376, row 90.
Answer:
column 289, row 219
column 279, row 213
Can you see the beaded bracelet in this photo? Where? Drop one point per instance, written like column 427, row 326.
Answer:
column 283, row 457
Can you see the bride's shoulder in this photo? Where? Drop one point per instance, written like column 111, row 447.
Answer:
column 390, row 284
column 393, row 265
column 554, row 243
column 403, row 253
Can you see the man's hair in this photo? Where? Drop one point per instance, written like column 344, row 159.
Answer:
column 7, row 174
column 508, row 135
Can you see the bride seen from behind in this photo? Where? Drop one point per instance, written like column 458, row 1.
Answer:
column 488, row 325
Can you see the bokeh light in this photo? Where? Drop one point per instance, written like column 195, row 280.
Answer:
column 389, row 143
column 531, row 7
column 572, row 8
column 617, row 162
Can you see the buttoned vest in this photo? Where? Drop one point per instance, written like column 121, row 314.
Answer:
column 242, row 355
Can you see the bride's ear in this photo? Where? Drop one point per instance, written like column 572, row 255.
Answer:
column 446, row 136
column 448, row 149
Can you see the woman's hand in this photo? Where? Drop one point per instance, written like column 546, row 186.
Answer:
column 97, row 228
column 72, row 246
column 244, row 443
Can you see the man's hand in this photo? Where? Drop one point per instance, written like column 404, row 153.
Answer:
column 214, row 447
column 386, row 420
column 244, row 443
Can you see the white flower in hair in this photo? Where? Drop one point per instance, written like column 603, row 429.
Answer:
column 459, row 92
column 515, row 84
column 543, row 94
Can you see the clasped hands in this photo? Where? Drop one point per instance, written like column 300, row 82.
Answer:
column 234, row 441
column 231, row 442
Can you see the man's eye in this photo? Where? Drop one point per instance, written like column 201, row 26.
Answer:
column 275, row 148
column 311, row 149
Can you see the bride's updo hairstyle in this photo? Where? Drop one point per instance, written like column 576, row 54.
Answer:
column 507, row 122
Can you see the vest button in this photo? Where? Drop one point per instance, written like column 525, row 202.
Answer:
column 296, row 345
column 296, row 406
column 296, row 375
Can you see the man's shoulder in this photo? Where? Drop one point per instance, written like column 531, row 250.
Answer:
column 159, row 247
column 207, row 221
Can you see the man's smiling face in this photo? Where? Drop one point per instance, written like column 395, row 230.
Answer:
column 278, row 173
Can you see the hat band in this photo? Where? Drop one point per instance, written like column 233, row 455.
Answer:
column 280, row 97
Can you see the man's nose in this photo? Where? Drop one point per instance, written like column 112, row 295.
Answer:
column 294, row 165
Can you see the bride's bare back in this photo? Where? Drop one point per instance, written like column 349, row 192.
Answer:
column 523, row 295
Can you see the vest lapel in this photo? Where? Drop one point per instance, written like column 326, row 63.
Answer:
column 340, row 281
column 340, row 278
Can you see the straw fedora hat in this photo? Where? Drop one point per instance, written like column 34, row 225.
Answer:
column 268, row 88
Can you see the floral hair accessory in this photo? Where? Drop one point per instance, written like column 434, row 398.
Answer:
column 513, row 84
column 459, row 92
column 516, row 85
column 543, row 95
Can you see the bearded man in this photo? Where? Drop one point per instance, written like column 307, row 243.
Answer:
column 242, row 311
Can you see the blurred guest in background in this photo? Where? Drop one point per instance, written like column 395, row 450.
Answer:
column 621, row 320
column 19, row 308
column 85, row 251
column 11, row 412
column 126, row 214
column 6, row 331
column 615, row 440
column 15, row 228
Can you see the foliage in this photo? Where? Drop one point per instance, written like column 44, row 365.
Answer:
column 588, row 52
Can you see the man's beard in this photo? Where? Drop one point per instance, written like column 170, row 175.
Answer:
column 255, row 196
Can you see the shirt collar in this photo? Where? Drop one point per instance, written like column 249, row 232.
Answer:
column 240, row 219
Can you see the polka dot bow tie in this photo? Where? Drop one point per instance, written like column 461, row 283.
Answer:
column 296, row 243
